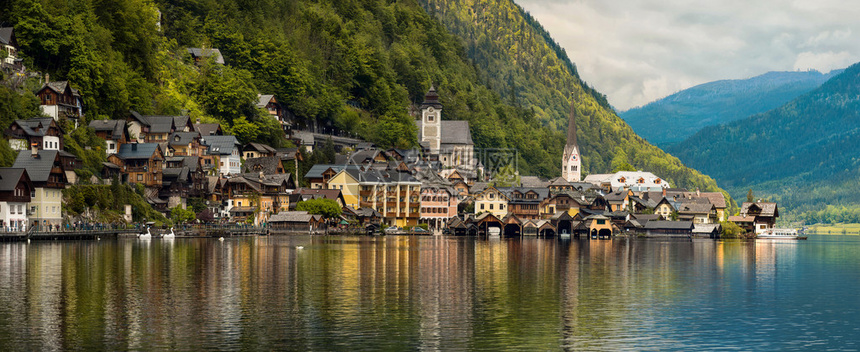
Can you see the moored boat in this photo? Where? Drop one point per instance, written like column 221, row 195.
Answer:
column 788, row 234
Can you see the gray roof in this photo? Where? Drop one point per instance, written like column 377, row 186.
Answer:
column 9, row 177
column 60, row 87
column 767, row 208
column 36, row 127
column 267, row 164
column 264, row 99
column 6, row 35
column 533, row 182
column 456, row 132
column 199, row 52
column 669, row 225
column 206, row 129
column 317, row 170
column 160, row 124
column 136, row 150
column 39, row 168
column 706, row 228
column 260, row 147
column 115, row 127
column 291, row 216
column 222, row 145
column 182, row 138
column 695, row 208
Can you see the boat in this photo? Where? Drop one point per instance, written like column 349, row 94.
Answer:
column 145, row 236
column 787, row 234
column 169, row 236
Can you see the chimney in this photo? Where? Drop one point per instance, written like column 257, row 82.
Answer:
column 664, row 192
column 34, row 149
column 198, row 120
column 697, row 192
column 47, row 77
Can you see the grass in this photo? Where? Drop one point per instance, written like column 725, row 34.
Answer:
column 835, row 229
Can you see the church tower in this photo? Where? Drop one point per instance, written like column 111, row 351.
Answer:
column 431, row 121
column 571, row 163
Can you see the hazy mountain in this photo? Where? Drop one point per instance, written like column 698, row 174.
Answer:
column 804, row 153
column 680, row 115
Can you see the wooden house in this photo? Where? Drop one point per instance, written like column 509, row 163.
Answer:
column 9, row 45
column 140, row 163
column 41, row 133
column 15, row 190
column 60, row 100
column 114, row 133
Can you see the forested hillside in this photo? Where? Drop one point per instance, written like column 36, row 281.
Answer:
column 680, row 115
column 518, row 59
column 353, row 65
column 803, row 154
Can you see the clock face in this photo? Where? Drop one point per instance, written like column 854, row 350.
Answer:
column 572, row 157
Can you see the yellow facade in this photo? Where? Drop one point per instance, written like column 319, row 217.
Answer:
column 348, row 187
column 491, row 201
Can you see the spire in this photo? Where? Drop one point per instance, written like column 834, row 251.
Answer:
column 431, row 99
column 571, row 126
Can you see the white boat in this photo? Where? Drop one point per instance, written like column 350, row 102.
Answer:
column 788, row 234
column 145, row 236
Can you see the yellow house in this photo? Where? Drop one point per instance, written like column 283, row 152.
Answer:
column 349, row 187
column 492, row 201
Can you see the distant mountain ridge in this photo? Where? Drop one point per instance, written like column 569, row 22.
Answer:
column 680, row 115
column 804, row 154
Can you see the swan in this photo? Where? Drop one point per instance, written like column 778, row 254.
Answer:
column 170, row 235
column 300, row 247
column 145, row 236
column 221, row 239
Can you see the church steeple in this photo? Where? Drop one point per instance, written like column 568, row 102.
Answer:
column 571, row 163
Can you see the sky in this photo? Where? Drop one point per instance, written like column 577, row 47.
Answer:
column 638, row 51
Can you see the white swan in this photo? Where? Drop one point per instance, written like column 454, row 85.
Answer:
column 145, row 236
column 170, row 235
column 221, row 239
column 300, row 247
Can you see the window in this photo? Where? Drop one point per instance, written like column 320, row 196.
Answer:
column 139, row 177
column 431, row 118
column 482, row 206
column 491, row 207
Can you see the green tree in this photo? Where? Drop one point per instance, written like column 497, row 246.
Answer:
column 179, row 215
column 731, row 230
column 320, row 206
column 750, row 197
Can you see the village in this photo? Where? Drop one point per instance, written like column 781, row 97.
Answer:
column 441, row 187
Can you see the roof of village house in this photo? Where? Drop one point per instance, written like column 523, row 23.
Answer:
column 6, row 36
column 266, row 164
column 668, row 225
column 37, row 127
column 511, row 192
column 174, row 174
column 706, row 228
column 767, row 208
column 182, row 138
column 9, row 177
column 291, row 216
column 180, row 122
column 695, row 208
column 208, row 129
column 259, row 147
column 264, row 99
column 617, row 196
column 533, row 182
column 559, row 182
column 366, row 212
column 160, row 124
column 200, row 52
column 192, row 162
column 116, row 128
column 38, row 168
column 60, row 87
column 137, row 150
column 741, row 218
column 317, row 170
column 221, row 145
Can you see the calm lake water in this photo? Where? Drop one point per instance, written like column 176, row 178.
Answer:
column 430, row 293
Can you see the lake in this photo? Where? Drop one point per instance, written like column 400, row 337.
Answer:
column 430, row 293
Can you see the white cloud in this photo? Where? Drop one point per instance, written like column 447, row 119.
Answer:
column 638, row 51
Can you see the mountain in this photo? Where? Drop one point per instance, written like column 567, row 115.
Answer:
column 688, row 111
column 356, row 66
column 803, row 154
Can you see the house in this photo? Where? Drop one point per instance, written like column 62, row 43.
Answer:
column 599, row 226
column 60, row 100
column 269, row 103
column 48, row 175
column 618, row 200
column 636, row 181
column 319, row 175
column 699, row 213
column 9, row 44
column 42, row 133
column 525, row 202
column 666, row 207
column 208, row 129
column 224, row 152
column 707, row 230
column 112, row 131
column 149, row 129
column 491, row 200
column 198, row 54
column 257, row 150
column 764, row 214
column 333, row 194
column 295, row 222
column 140, row 163
column 394, row 194
column 269, row 165
column 185, row 144
column 567, row 201
column 438, row 205
column 15, row 191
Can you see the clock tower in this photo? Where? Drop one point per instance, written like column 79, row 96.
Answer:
column 431, row 121
column 571, row 163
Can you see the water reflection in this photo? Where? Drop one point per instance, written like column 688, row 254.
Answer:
column 429, row 293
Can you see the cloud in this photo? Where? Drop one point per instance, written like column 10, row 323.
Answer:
column 638, row 51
